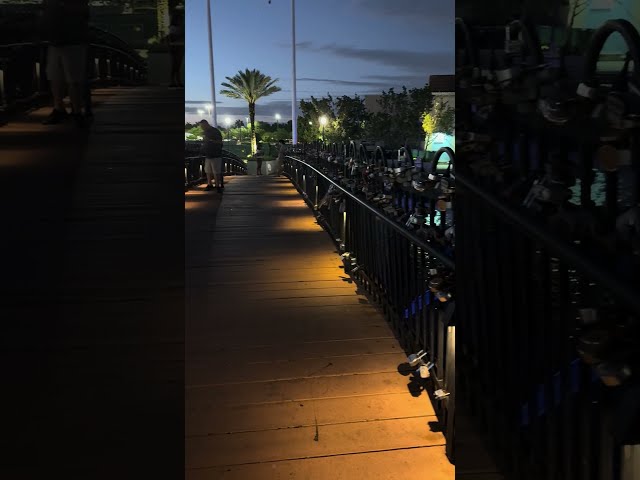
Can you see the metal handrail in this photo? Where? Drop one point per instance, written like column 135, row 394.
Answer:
column 22, row 81
column 622, row 290
column 232, row 166
column 448, row 262
column 233, row 160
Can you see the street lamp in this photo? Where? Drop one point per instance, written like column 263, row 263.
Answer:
column 323, row 122
column 200, row 112
column 277, row 119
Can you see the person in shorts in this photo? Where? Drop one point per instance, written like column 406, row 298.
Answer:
column 65, row 25
column 213, row 163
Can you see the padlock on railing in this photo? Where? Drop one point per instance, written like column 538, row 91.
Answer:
column 613, row 374
column 441, row 394
column 593, row 345
column 415, row 359
column 424, row 371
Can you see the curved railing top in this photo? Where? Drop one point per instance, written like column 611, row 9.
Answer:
column 622, row 290
column 446, row 261
column 98, row 37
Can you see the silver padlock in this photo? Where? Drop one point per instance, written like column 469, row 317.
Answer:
column 425, row 370
column 416, row 358
column 441, row 394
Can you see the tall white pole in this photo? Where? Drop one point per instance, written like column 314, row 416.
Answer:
column 214, row 115
column 294, row 100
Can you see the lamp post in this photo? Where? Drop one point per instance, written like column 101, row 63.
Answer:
column 323, row 122
column 294, row 100
column 208, row 106
column 277, row 119
column 214, row 117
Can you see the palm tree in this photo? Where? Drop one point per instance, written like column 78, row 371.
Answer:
column 250, row 85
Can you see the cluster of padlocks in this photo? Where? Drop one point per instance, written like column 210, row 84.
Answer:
column 414, row 192
column 547, row 148
column 555, row 141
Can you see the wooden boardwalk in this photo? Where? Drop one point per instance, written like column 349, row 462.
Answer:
column 92, row 290
column 290, row 371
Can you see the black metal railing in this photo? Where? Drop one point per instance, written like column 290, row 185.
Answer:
column 23, row 79
column 194, row 169
column 409, row 276
column 547, row 258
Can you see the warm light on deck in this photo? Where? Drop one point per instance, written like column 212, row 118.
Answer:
column 300, row 224
column 290, row 203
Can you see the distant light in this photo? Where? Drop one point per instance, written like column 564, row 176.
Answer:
column 310, row 123
column 277, row 116
column 227, row 120
column 200, row 111
column 323, row 120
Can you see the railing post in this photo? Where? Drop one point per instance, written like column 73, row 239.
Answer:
column 3, row 94
column 38, row 76
column 108, row 69
column 96, row 61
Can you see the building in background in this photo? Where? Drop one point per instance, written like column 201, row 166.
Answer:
column 140, row 23
column 443, row 89
column 598, row 12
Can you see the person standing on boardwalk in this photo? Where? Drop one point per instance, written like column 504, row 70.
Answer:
column 213, row 155
column 65, row 25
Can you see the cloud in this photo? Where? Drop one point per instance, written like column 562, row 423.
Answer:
column 413, row 79
column 304, row 44
column 344, row 82
column 438, row 62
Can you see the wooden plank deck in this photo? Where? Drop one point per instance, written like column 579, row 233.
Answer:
column 93, row 282
column 290, row 371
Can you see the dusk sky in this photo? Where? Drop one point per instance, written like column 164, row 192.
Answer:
column 344, row 47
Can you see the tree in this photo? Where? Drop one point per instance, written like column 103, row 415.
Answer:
column 194, row 132
column 352, row 117
column 309, row 127
column 575, row 9
column 440, row 119
column 400, row 121
column 238, row 124
column 250, row 85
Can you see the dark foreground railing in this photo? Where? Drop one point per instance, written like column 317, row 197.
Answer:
column 194, row 169
column 548, row 262
column 409, row 277
column 23, row 79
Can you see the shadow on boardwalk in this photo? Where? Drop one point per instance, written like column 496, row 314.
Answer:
column 290, row 372
column 92, row 289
